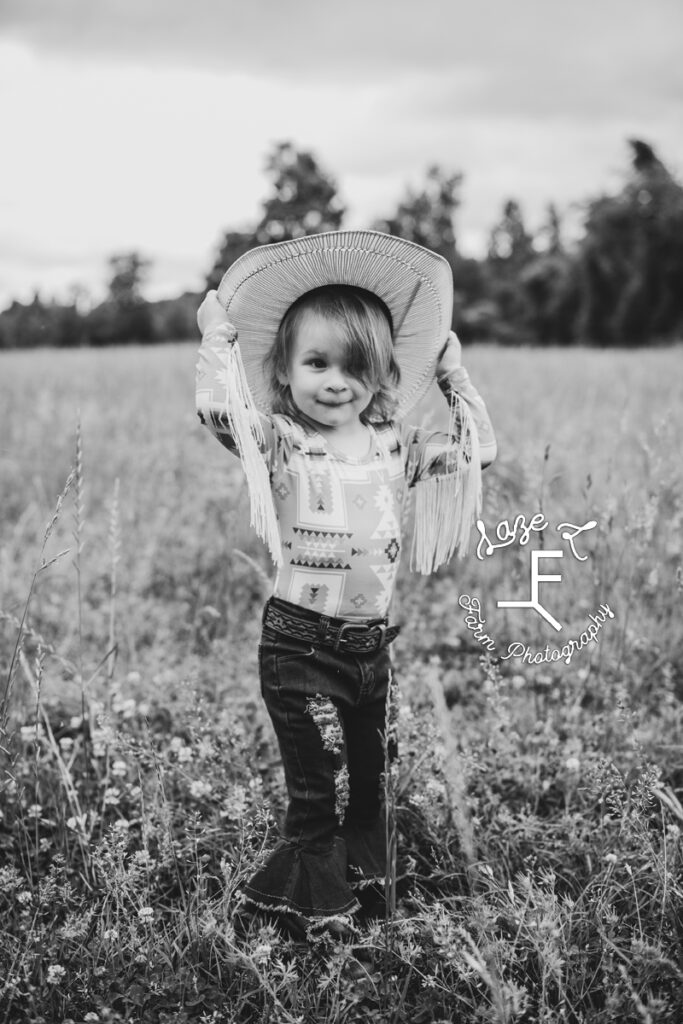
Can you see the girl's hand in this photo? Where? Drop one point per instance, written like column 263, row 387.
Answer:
column 212, row 317
column 450, row 357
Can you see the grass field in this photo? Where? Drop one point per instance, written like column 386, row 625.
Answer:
column 537, row 805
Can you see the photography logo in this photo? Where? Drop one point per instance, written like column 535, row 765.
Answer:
column 520, row 531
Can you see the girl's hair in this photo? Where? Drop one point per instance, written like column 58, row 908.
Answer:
column 366, row 330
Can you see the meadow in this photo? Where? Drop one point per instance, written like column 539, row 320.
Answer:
column 536, row 807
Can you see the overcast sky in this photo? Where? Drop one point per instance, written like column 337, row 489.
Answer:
column 144, row 124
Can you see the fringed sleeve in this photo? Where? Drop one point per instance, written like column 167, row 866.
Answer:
column 224, row 404
column 445, row 470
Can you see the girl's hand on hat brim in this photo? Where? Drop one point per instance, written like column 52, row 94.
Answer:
column 450, row 357
column 211, row 313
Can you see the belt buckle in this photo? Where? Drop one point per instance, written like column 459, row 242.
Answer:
column 340, row 634
column 353, row 625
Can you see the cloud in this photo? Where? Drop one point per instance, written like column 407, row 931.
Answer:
column 306, row 40
column 145, row 125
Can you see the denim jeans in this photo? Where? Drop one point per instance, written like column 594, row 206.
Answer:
column 328, row 711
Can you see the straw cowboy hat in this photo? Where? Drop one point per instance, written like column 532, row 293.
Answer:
column 415, row 284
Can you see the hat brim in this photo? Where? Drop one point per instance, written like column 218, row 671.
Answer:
column 415, row 284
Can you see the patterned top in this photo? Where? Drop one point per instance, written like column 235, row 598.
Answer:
column 339, row 516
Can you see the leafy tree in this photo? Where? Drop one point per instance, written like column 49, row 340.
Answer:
column 426, row 215
column 125, row 315
column 304, row 201
column 234, row 245
column 630, row 261
column 510, row 252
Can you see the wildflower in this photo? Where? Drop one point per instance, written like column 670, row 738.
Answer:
column 111, row 796
column 119, row 769
column 111, row 934
column 75, row 722
column 146, row 914
column 133, row 678
column 200, row 788
column 236, row 803
column 610, row 858
column 100, row 739
column 23, row 897
column 55, row 974
column 76, row 822
column 34, row 811
column 143, row 857
column 181, row 750
column 91, row 1016
column 262, row 952
column 30, row 733
column 122, row 825
column 572, row 764
column 126, row 708
column 66, row 743
column 435, row 789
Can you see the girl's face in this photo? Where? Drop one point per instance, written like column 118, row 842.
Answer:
column 322, row 388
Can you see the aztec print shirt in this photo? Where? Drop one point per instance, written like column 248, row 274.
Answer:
column 340, row 517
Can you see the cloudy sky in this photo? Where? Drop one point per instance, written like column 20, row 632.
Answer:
column 144, row 124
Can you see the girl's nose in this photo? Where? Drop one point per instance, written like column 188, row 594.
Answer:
column 335, row 381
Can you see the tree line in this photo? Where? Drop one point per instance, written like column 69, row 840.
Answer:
column 620, row 283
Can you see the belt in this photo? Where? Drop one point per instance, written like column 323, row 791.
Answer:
column 339, row 634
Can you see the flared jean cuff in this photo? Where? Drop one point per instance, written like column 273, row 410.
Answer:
column 305, row 880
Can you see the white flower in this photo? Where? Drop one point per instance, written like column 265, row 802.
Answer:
column 119, row 769
column 199, row 788
column 29, row 733
column 572, row 764
column 263, row 951
column 133, row 677
column 100, row 739
column 111, row 796
column 236, row 803
column 143, row 857
column 610, row 858
column 122, row 825
column 55, row 973
column 181, row 750
column 76, row 822
column 126, row 708
column 75, row 722
column 111, row 934
column 34, row 811
column 146, row 914
column 66, row 743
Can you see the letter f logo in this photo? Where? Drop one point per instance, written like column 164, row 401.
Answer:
column 536, row 578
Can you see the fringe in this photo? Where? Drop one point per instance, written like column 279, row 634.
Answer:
column 245, row 427
column 319, row 920
column 447, row 505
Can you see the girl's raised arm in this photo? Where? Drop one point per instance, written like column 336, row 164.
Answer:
column 453, row 378
column 445, row 466
column 225, row 405
column 214, row 366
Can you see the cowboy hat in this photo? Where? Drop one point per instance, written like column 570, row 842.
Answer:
column 414, row 283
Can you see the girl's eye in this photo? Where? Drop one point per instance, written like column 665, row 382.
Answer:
column 317, row 364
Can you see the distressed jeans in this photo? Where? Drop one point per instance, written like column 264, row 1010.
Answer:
column 328, row 711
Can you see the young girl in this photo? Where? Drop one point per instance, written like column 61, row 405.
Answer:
column 339, row 335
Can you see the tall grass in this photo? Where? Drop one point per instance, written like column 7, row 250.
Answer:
column 534, row 812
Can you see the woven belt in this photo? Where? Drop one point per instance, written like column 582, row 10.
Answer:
column 357, row 637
